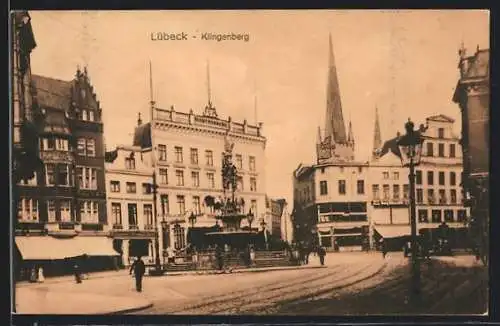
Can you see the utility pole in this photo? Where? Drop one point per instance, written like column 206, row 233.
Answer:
column 158, row 267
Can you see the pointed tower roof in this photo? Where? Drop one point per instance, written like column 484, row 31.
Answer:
column 350, row 137
column 319, row 136
column 334, row 124
column 377, row 136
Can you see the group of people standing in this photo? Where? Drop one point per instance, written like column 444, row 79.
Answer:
column 301, row 254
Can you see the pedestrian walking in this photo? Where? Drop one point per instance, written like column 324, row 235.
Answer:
column 383, row 248
column 139, row 270
column 41, row 277
column 78, row 273
column 322, row 254
column 219, row 257
column 33, row 276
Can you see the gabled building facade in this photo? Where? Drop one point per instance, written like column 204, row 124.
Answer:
column 66, row 198
column 130, row 203
column 438, row 193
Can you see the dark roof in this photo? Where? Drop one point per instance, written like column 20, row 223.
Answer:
column 110, row 157
column 390, row 146
column 55, row 121
column 142, row 136
column 51, row 92
column 479, row 64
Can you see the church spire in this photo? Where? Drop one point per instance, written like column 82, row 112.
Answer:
column 377, row 136
column 209, row 108
column 350, row 137
column 334, row 124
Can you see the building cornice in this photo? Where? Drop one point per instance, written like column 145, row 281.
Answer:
column 182, row 127
column 129, row 172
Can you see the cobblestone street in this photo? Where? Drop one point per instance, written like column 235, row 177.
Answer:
column 351, row 283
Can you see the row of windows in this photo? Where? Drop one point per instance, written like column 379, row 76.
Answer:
column 87, row 115
column 452, row 179
column 28, row 210
column 439, row 216
column 116, row 213
column 441, row 146
column 442, row 198
column 396, row 192
column 209, row 157
column 84, row 147
column 342, row 189
column 54, row 143
column 179, row 176
column 196, row 205
column 62, row 175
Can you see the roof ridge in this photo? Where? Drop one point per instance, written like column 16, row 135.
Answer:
column 52, row 78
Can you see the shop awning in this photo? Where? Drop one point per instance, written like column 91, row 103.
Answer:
column 46, row 248
column 393, row 231
column 95, row 246
column 49, row 248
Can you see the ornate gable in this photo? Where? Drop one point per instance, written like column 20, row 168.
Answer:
column 441, row 118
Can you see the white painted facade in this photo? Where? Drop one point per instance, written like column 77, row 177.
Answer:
column 188, row 162
column 129, row 203
column 441, row 196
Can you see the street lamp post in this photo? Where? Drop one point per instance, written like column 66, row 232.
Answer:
column 250, row 218
column 410, row 147
column 192, row 219
column 155, row 210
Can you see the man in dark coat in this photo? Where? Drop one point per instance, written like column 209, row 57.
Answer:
column 219, row 257
column 139, row 270
column 322, row 254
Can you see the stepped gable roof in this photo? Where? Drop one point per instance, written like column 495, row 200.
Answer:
column 51, row 92
column 142, row 136
column 479, row 64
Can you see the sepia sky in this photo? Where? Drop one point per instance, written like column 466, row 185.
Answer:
column 403, row 62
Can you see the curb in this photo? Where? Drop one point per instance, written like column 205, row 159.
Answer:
column 131, row 310
column 236, row 271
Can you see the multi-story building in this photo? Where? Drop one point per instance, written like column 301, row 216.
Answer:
column 130, row 203
column 187, row 158
column 25, row 152
column 66, row 198
column 275, row 209
column 330, row 196
column 437, row 181
column 472, row 94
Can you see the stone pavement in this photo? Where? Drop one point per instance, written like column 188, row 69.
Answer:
column 61, row 295
column 43, row 300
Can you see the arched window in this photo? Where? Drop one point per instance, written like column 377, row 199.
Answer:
column 179, row 240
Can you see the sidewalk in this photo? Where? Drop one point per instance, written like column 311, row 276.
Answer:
column 61, row 295
column 125, row 273
column 41, row 300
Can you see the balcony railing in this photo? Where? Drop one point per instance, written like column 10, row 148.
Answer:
column 92, row 227
column 117, row 227
column 343, row 218
column 133, row 227
column 149, row 227
column 66, row 225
